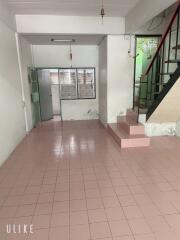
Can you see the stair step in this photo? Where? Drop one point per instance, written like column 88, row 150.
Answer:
column 130, row 126
column 176, row 47
column 132, row 114
column 166, row 73
column 125, row 140
column 158, row 84
column 173, row 61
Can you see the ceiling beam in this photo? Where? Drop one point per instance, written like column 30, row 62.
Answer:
column 144, row 11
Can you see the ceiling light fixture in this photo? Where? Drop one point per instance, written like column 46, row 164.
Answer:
column 63, row 40
column 102, row 12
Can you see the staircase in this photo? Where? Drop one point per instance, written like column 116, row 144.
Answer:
column 164, row 70
column 155, row 84
column 127, row 132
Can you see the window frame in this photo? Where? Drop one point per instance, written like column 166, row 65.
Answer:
column 76, row 68
column 74, row 98
column 77, row 85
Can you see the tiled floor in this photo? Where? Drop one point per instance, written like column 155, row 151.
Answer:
column 73, row 182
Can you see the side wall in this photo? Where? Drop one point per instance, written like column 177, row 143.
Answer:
column 120, row 77
column 83, row 56
column 103, row 82
column 26, row 61
column 12, row 122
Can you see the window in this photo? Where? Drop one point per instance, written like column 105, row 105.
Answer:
column 86, row 86
column 77, row 83
column 68, row 83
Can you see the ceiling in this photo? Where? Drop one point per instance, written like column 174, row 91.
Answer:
column 38, row 39
column 71, row 7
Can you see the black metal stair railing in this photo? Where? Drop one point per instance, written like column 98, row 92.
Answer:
column 162, row 68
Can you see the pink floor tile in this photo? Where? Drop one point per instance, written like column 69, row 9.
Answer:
column 61, row 187
column 150, row 210
column 139, row 226
column 61, row 196
column 39, row 234
column 97, row 215
column 127, row 200
column 89, row 188
column 158, row 223
column 60, row 219
column 45, row 197
column 32, row 190
column 173, row 220
column 49, row 180
column 29, row 199
column 75, row 194
column 47, row 188
column 3, row 236
column 25, row 210
column 107, row 192
column 78, row 218
column 110, row 202
column 78, row 205
column 12, row 201
column 44, row 208
column 55, row 233
column 94, row 203
column 79, row 232
column 132, row 212
column 114, row 214
column 100, row 230
column 124, row 238
column 7, row 212
column 59, row 207
column 22, row 220
column 120, row 228
column 145, row 237
column 92, row 193
column 41, row 221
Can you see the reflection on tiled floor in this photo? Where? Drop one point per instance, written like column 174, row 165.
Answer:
column 73, row 182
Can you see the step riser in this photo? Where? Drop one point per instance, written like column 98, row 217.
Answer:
column 129, row 143
column 131, row 114
column 132, row 130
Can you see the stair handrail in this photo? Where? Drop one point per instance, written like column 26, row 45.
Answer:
column 162, row 40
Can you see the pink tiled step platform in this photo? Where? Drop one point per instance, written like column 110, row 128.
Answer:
column 128, row 132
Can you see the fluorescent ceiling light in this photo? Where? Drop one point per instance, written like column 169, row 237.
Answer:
column 62, row 40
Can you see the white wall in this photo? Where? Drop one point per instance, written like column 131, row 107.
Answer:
column 120, row 77
column 103, row 82
column 69, row 24
column 12, row 122
column 26, row 61
column 83, row 56
column 143, row 12
column 7, row 17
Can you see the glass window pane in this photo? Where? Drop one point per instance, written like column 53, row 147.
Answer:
column 86, row 83
column 68, row 84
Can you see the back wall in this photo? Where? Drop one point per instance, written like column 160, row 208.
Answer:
column 83, row 56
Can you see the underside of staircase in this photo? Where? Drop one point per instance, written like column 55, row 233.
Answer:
column 128, row 132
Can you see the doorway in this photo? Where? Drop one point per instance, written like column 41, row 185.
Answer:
column 145, row 48
column 49, row 92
